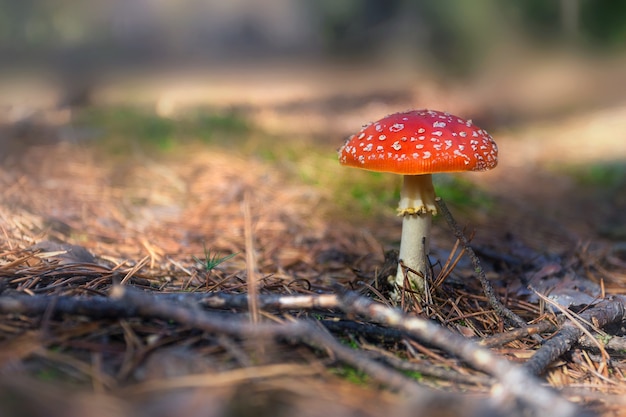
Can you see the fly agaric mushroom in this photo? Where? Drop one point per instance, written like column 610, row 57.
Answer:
column 417, row 144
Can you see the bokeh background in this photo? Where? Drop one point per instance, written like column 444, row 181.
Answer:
column 285, row 81
column 502, row 60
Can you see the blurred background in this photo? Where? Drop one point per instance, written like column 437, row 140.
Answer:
column 281, row 81
column 500, row 61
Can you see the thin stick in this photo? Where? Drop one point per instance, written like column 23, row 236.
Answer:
column 104, row 307
column 500, row 339
column 499, row 308
column 579, row 322
column 601, row 314
column 250, row 261
column 135, row 269
column 215, row 380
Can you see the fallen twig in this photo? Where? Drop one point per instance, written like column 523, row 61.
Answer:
column 264, row 301
column 513, row 380
column 615, row 343
column 104, row 307
column 499, row 308
column 601, row 314
column 304, row 331
column 500, row 339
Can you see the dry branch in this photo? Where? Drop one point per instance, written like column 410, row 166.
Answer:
column 513, row 380
column 103, row 307
column 499, row 308
column 601, row 314
column 500, row 339
column 304, row 331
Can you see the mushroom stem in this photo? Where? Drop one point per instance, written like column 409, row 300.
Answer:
column 417, row 195
column 417, row 205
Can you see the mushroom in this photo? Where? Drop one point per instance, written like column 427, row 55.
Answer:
column 417, row 144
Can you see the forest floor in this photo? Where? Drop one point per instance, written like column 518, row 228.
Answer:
column 206, row 197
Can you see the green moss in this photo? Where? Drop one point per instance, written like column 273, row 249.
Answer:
column 351, row 374
column 414, row 375
column 121, row 126
column 605, row 175
column 209, row 126
column 130, row 123
column 366, row 193
column 49, row 375
column 350, row 342
column 461, row 193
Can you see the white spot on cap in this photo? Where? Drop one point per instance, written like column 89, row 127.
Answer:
column 382, row 137
column 378, row 127
column 419, row 146
column 462, row 134
column 396, row 127
column 437, row 133
column 439, row 124
column 380, row 148
column 426, row 155
column 421, row 130
column 396, row 145
column 362, row 135
column 368, row 147
column 459, row 153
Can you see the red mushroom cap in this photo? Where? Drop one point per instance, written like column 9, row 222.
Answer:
column 420, row 142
